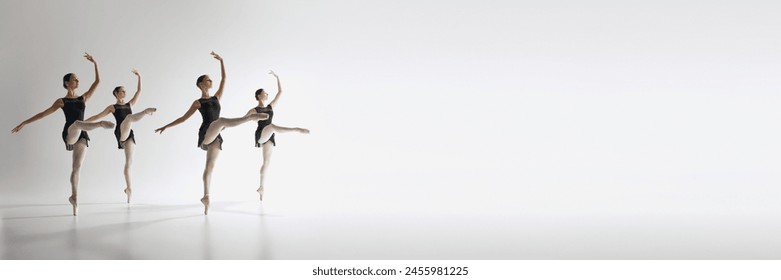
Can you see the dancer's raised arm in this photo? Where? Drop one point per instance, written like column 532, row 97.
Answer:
column 94, row 86
column 181, row 119
column 218, row 94
column 138, row 89
column 279, row 90
column 57, row 105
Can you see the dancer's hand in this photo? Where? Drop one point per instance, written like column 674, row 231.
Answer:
column 17, row 128
column 135, row 72
column 216, row 56
column 272, row 73
column 89, row 57
column 160, row 130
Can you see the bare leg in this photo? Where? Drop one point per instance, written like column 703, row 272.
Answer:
column 265, row 135
column 211, row 157
column 129, row 147
column 219, row 124
column 75, row 129
column 269, row 130
column 268, row 147
column 79, row 151
column 125, row 126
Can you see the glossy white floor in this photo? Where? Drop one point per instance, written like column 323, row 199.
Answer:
column 244, row 230
column 233, row 230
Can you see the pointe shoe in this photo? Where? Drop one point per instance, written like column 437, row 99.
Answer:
column 74, row 204
column 150, row 111
column 304, row 130
column 128, row 192
column 260, row 192
column 205, row 201
column 106, row 124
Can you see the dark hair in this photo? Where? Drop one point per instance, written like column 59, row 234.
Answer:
column 258, row 92
column 116, row 89
column 200, row 79
column 66, row 79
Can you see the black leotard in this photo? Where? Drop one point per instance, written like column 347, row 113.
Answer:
column 210, row 111
column 73, row 108
column 261, row 124
column 120, row 112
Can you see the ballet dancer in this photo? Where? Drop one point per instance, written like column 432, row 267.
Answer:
column 264, row 134
column 209, row 138
column 74, row 133
column 124, row 116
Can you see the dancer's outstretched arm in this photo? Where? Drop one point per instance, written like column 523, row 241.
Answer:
column 94, row 86
column 57, row 105
column 250, row 112
column 279, row 90
column 138, row 89
column 183, row 118
column 108, row 110
column 218, row 94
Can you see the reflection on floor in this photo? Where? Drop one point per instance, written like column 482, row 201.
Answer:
column 244, row 230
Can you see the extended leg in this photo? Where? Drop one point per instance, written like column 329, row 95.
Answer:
column 269, row 130
column 218, row 125
column 124, row 128
column 75, row 129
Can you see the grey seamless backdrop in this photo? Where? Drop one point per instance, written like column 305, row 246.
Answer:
column 648, row 126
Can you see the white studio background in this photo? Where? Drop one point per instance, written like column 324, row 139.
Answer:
column 658, row 112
